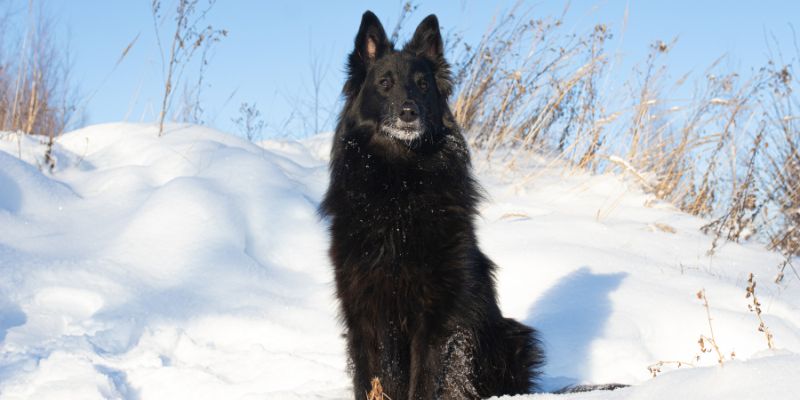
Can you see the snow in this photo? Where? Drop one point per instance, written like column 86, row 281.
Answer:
column 193, row 266
column 771, row 375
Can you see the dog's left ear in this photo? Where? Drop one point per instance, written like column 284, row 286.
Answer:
column 427, row 43
column 427, row 40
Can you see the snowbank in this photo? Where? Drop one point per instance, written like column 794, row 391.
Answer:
column 194, row 266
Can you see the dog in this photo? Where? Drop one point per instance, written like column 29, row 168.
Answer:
column 417, row 295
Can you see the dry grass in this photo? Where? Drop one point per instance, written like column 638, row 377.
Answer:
column 730, row 153
column 709, row 340
column 708, row 344
column 514, row 92
column 655, row 368
column 189, row 37
column 756, row 308
column 376, row 393
column 36, row 94
column 249, row 122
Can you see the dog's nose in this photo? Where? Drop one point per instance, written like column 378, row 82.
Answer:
column 409, row 111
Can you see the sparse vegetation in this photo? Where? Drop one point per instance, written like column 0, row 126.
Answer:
column 756, row 308
column 310, row 113
column 706, row 343
column 37, row 95
column 188, row 38
column 730, row 153
column 249, row 122
column 704, row 340
column 709, row 343
column 655, row 369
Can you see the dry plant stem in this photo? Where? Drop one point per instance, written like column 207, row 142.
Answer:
column 408, row 9
column 736, row 220
column 786, row 262
column 720, row 358
column 377, row 391
column 49, row 160
column 655, row 369
column 756, row 308
column 21, row 73
column 167, row 90
column 176, row 38
column 249, row 122
column 188, row 38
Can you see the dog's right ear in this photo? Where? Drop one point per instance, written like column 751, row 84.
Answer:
column 370, row 44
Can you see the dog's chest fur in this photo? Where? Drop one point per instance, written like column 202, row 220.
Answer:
column 402, row 233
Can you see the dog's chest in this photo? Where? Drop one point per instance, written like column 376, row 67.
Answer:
column 400, row 257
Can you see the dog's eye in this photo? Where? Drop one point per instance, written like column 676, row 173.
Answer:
column 385, row 83
column 423, row 84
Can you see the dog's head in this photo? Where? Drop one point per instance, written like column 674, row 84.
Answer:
column 402, row 94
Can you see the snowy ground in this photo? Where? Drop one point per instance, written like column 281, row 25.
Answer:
column 193, row 266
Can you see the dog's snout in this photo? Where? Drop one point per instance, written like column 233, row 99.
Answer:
column 409, row 112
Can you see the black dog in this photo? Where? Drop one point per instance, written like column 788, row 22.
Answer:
column 417, row 295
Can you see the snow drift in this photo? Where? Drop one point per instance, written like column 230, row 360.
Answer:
column 194, row 266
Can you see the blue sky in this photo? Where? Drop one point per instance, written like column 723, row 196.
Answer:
column 267, row 55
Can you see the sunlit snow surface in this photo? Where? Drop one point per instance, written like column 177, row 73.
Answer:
column 193, row 266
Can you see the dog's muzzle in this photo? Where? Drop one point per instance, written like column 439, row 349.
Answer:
column 405, row 131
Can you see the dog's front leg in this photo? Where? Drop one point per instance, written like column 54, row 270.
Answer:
column 363, row 352
column 457, row 377
column 442, row 366
column 424, row 367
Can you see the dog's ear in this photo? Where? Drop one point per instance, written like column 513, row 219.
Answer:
column 427, row 43
column 371, row 42
column 427, row 39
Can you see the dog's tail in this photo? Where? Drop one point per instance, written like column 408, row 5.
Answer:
column 524, row 356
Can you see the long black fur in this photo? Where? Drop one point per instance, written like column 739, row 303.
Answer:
column 417, row 295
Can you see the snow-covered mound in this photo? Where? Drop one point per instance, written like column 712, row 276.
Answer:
column 193, row 266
